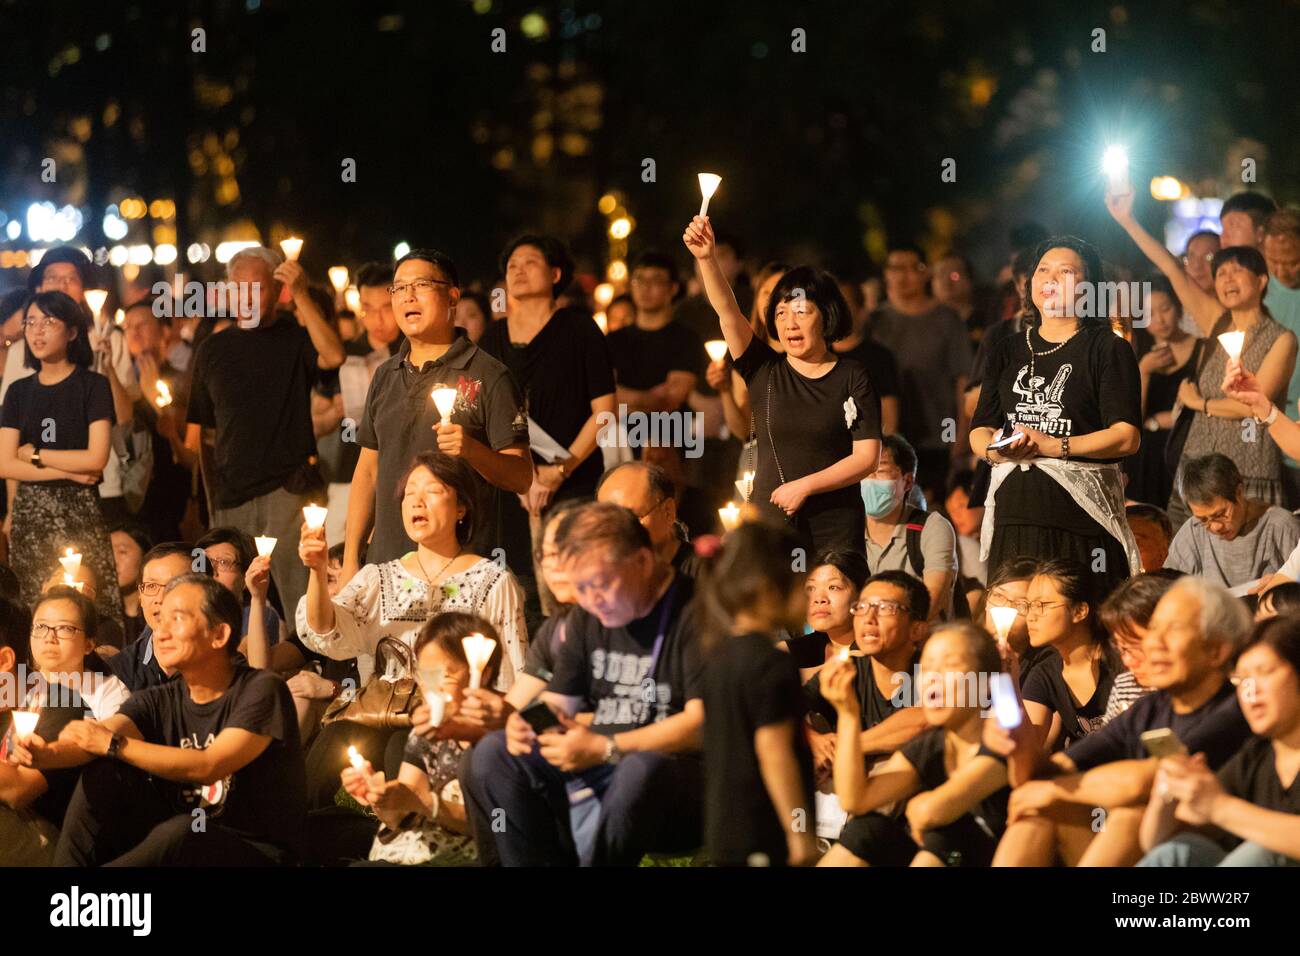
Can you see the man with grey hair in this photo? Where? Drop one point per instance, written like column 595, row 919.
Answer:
column 252, row 385
column 1087, row 805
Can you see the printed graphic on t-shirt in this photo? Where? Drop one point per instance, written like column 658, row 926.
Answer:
column 634, row 693
column 1040, row 404
column 209, row 797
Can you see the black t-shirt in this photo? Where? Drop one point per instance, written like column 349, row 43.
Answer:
column 356, row 352
column 399, row 421
column 1252, row 776
column 611, row 669
column 60, row 784
column 1216, row 728
column 58, row 416
column 561, row 371
column 254, row 387
column 873, row 705
column 1089, row 383
column 265, row 801
column 925, row 753
column 1045, row 684
column 808, row 650
column 882, row 369
column 643, row 358
column 539, row 659
column 748, row 684
column 814, row 424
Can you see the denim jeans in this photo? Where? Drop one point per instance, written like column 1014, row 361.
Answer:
column 1193, row 849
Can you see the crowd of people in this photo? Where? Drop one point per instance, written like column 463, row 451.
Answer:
column 932, row 574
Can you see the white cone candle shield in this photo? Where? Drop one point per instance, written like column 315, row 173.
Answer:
column 95, row 299
column 1232, row 343
column 708, row 186
column 119, row 317
column 746, row 485
column 430, row 679
column 730, row 516
column 602, row 322
column 358, row 762
column 478, row 651
column 353, row 299
column 71, row 561
column 315, row 516
column 24, row 723
column 265, row 545
column 444, row 399
column 292, row 248
column 1003, row 619
column 716, row 348
column 338, row 277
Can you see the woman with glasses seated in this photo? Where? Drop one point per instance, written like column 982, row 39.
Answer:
column 54, row 442
column 1009, row 587
column 1066, row 696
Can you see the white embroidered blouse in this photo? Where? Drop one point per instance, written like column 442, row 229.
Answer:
column 386, row 600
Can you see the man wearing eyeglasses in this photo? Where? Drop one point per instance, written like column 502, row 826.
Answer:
column 1231, row 540
column 136, row 666
column 646, row 491
column 487, row 426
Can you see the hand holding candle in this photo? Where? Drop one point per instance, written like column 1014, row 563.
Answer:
column 478, row 651
column 164, row 394
column 95, row 298
column 708, row 186
column 292, row 248
column 358, row 762
column 314, row 515
column 1003, row 620
column 265, row 545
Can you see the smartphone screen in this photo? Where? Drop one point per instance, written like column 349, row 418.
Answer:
column 1006, row 706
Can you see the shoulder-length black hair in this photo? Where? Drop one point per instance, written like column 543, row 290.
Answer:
column 1093, row 272
column 61, row 306
column 820, row 288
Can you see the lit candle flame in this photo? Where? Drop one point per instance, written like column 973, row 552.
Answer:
column 71, row 562
column 315, row 516
column 746, row 485
column 265, row 545
column 358, row 761
column 708, row 186
column 119, row 317
column 478, row 651
column 730, row 516
column 444, row 399
column 716, row 348
column 292, row 248
column 338, row 277
column 164, row 394
column 844, row 653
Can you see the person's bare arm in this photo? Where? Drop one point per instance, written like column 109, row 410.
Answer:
column 17, row 469
column 361, row 512
column 939, row 584
column 678, row 733
column 849, row 470
column 1272, row 829
column 774, row 745
column 510, row 469
column 889, row 409
column 735, row 329
column 1273, row 377
column 326, row 413
column 978, row 778
column 83, row 461
column 894, row 731
column 859, row 792
column 1122, row 783
column 20, row 786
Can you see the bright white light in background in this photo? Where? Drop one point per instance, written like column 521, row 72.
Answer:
column 164, row 254
column 401, row 249
column 1168, row 188
column 1114, row 163
column 115, row 227
column 46, row 223
column 140, row 255
column 604, row 294
column 198, row 252
column 227, row 250
column 117, row 256
column 40, row 219
column 620, row 228
column 14, row 229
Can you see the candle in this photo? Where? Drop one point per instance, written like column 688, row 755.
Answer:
column 602, row 322
column 353, row 300
column 292, row 248
column 119, row 317
column 164, row 394
column 478, row 651
column 315, row 516
column 745, row 485
column 95, row 299
column 1232, row 343
column 71, row 562
column 730, row 516
column 265, row 545
column 1003, row 618
column 716, row 348
column 338, row 277
column 444, row 398
column 358, row 761
column 24, row 723
column 708, row 186
column 843, row 654
column 431, row 679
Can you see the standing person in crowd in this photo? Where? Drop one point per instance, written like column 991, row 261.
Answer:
column 394, row 598
column 809, row 464
column 832, row 588
column 932, row 348
column 1192, row 636
column 1242, row 218
column 473, row 315
column 221, row 739
column 900, row 537
column 879, row 362
column 1066, row 695
column 130, row 543
column 1240, row 280
column 758, row 797
column 1253, row 800
column 1233, row 540
column 956, row 794
column 1070, row 389
column 647, row 491
column 954, row 285
column 1154, row 533
column 265, row 449
column 486, row 429
column 1125, row 617
column 1009, row 587
column 632, row 658
column 1197, row 255
column 966, row 519
column 1163, row 368
column 561, row 361
column 54, row 442
column 1281, row 248
column 722, row 374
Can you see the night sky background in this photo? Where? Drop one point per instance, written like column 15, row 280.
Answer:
column 825, row 155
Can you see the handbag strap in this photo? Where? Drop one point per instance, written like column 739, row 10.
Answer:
column 768, row 415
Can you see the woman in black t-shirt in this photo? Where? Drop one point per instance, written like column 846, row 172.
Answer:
column 1070, row 388
column 817, row 418
column 1066, row 695
column 54, row 440
column 1255, row 797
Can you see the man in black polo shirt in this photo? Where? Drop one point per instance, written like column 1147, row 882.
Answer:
column 252, row 384
column 135, row 665
column 488, row 426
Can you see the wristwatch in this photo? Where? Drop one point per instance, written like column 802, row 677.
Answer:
column 1272, row 416
column 114, row 746
column 612, row 754
column 36, row 458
